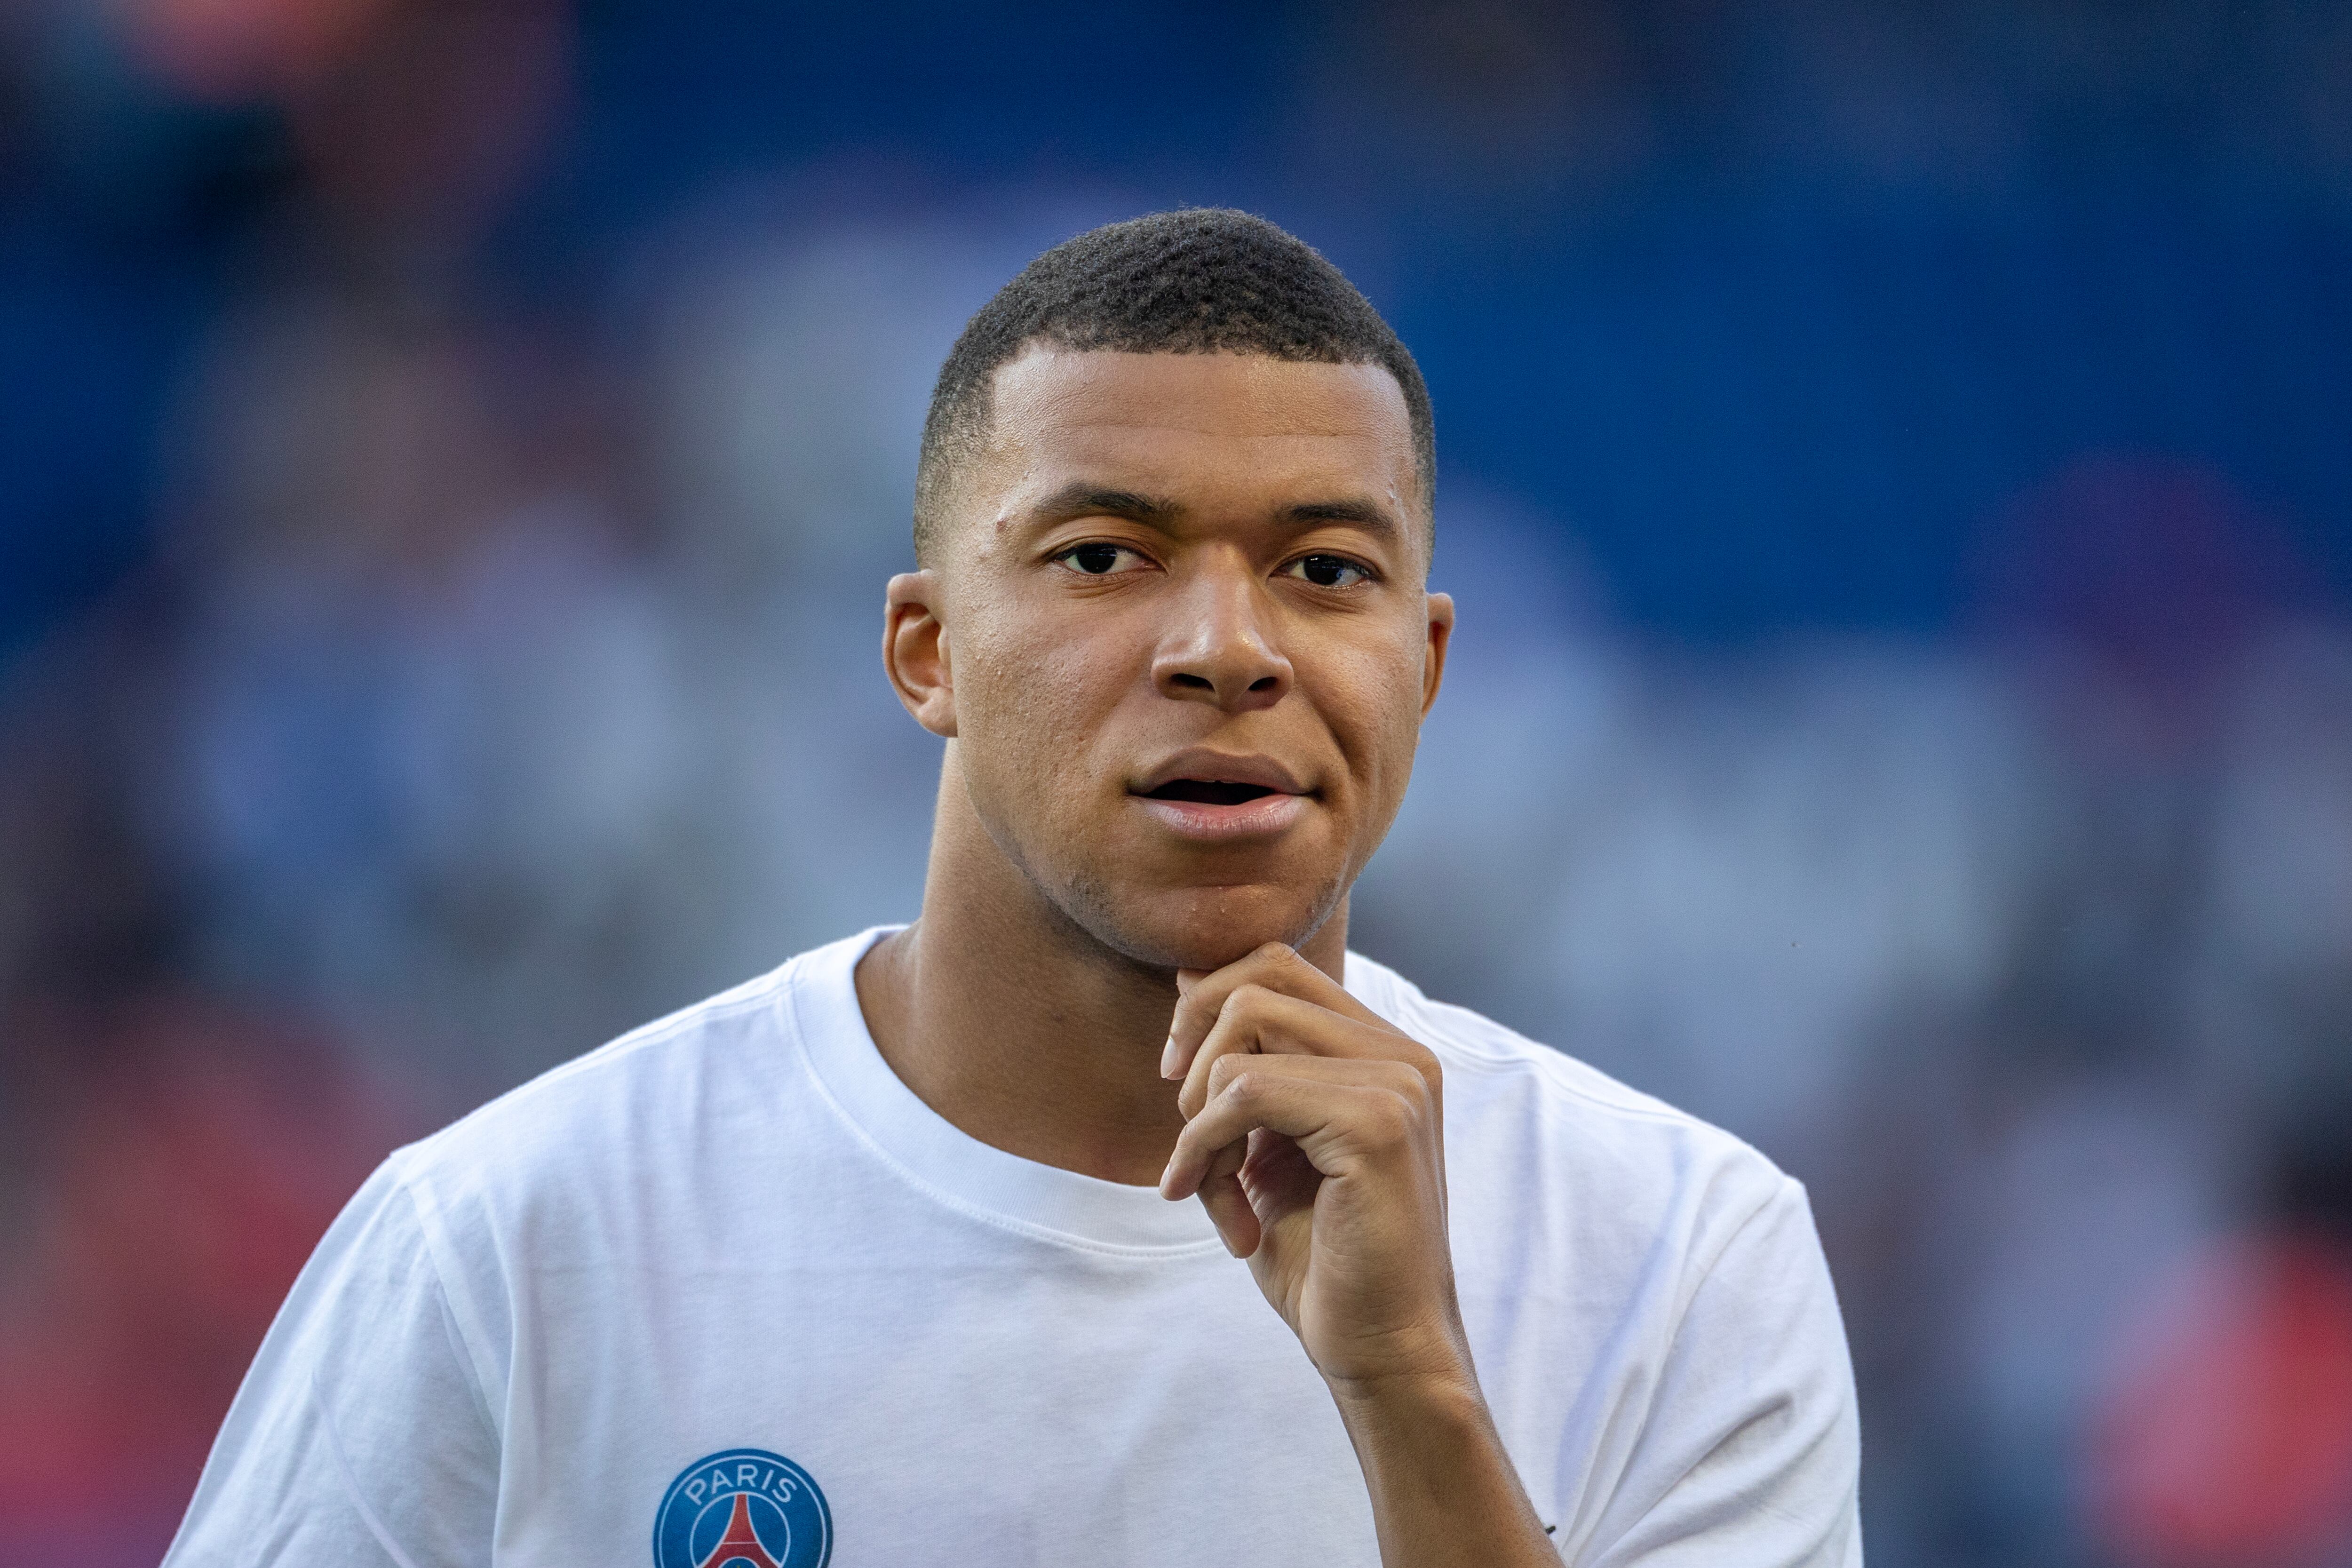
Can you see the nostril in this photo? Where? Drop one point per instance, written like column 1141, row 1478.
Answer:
column 1194, row 681
column 1264, row 683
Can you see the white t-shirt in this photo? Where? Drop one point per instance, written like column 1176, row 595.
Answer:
column 727, row 1291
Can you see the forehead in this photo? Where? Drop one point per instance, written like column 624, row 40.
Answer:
column 1227, row 422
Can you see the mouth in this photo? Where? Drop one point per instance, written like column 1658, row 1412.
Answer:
column 1209, row 792
column 1210, row 797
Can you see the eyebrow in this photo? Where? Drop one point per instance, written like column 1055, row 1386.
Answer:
column 1369, row 516
column 1084, row 499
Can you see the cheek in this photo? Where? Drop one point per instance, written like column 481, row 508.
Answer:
column 1373, row 705
column 1031, row 701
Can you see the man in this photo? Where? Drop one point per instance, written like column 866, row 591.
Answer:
column 893, row 1254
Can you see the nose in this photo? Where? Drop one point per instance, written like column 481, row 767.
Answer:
column 1221, row 647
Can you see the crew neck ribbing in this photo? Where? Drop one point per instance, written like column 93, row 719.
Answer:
column 948, row 1163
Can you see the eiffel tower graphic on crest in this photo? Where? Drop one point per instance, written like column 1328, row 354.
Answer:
column 741, row 1545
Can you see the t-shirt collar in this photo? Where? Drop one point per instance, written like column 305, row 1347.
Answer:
column 948, row 1163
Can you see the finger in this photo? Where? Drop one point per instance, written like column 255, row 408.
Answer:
column 1326, row 1119
column 1258, row 1022
column 1228, row 1054
column 1227, row 1201
column 1371, row 1072
column 1418, row 1095
column 1202, row 994
column 1274, row 967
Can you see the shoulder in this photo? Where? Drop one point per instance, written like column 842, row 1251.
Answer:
column 622, row 1116
column 1554, row 1132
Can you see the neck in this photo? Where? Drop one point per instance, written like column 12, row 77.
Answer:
column 1020, row 1026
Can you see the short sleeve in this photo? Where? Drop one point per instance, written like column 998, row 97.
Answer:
column 1753, row 1451
column 360, row 1436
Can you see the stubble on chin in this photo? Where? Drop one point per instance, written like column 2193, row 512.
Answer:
column 1204, row 936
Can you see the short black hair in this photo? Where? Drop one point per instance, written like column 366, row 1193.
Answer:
column 1196, row 281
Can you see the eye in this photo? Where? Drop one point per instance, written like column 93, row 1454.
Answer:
column 1327, row 570
column 1099, row 560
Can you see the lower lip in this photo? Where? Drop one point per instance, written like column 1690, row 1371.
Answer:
column 1262, row 818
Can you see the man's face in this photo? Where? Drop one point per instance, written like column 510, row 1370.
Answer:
column 1185, row 645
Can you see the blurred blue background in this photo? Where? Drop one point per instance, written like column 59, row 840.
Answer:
column 1897, row 477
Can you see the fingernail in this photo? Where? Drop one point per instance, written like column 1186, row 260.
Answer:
column 1168, row 1058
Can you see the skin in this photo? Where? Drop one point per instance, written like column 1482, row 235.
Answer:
column 1212, row 567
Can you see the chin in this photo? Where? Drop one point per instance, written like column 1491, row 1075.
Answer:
column 1202, row 928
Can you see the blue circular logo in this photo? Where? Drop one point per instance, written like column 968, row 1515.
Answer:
column 743, row 1509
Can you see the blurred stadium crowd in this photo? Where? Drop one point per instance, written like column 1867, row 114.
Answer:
column 1899, row 492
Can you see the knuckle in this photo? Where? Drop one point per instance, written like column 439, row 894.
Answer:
column 1392, row 1119
column 1248, row 1004
column 1249, row 993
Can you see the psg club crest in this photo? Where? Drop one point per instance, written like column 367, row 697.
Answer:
column 743, row 1509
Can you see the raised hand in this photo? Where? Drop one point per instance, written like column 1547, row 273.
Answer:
column 1315, row 1136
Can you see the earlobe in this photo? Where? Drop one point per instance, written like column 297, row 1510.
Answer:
column 915, row 653
column 1441, row 635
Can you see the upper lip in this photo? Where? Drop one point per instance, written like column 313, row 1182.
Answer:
column 1220, row 767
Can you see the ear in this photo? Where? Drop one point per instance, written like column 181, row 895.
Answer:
column 1440, row 636
column 915, row 651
